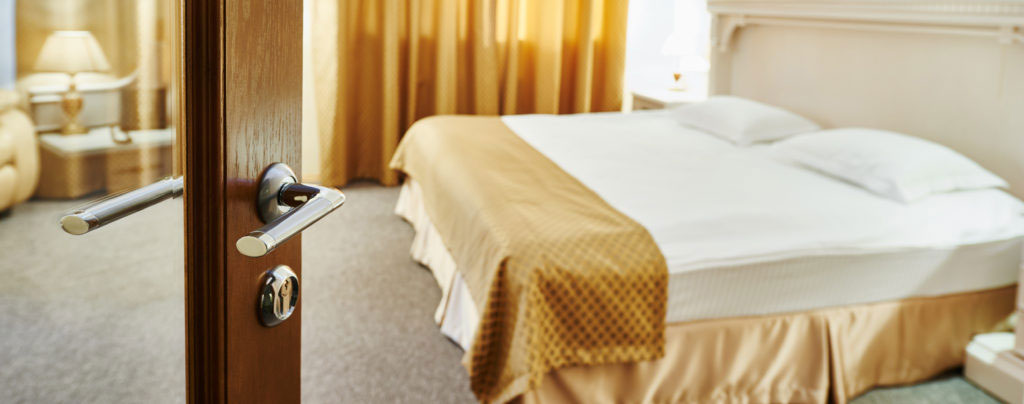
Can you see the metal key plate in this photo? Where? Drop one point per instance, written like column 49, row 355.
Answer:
column 279, row 295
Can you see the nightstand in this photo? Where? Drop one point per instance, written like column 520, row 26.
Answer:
column 665, row 98
column 76, row 165
column 995, row 360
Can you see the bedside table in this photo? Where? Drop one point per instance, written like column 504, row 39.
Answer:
column 76, row 165
column 665, row 98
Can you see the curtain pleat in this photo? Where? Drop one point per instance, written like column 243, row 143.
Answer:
column 380, row 65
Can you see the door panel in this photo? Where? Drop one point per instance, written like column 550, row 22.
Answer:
column 263, row 108
column 240, row 118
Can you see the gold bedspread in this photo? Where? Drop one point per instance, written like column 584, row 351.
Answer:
column 560, row 277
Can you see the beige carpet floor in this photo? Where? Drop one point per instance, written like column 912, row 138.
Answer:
column 99, row 318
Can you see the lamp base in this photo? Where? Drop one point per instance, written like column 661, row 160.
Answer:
column 74, row 128
column 72, row 106
column 678, row 82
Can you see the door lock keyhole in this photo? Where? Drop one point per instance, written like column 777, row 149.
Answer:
column 279, row 295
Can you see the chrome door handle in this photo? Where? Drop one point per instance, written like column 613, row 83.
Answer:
column 287, row 207
column 104, row 211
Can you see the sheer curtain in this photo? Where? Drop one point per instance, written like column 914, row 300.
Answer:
column 378, row 65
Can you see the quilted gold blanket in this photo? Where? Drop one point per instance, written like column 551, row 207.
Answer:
column 559, row 276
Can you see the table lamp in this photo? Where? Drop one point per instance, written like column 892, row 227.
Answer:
column 682, row 46
column 72, row 52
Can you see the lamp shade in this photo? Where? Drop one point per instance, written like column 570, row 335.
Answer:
column 677, row 44
column 71, row 52
column 693, row 63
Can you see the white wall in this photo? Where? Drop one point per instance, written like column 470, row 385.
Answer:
column 8, row 70
column 650, row 23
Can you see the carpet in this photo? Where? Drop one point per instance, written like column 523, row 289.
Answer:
column 100, row 318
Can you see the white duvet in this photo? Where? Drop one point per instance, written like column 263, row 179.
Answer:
column 708, row 203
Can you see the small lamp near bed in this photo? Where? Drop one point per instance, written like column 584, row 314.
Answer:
column 681, row 47
column 72, row 52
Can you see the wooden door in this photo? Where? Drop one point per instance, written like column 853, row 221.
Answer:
column 241, row 110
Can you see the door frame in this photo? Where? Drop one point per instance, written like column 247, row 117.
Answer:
column 201, row 116
column 232, row 130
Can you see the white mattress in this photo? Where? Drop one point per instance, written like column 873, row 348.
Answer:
column 708, row 203
column 744, row 234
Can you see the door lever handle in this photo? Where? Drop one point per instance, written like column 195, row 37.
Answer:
column 104, row 211
column 287, row 207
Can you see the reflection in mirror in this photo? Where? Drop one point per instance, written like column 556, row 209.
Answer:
column 86, row 110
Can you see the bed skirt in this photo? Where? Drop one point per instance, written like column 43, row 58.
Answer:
column 812, row 356
column 805, row 357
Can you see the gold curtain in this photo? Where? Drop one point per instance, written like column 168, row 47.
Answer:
column 379, row 65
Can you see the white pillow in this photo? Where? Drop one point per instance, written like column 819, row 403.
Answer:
column 896, row 166
column 742, row 121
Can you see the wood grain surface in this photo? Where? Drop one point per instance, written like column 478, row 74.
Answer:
column 242, row 93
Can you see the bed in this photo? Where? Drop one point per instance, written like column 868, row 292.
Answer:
column 758, row 281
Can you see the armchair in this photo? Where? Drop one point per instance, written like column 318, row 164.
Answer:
column 19, row 155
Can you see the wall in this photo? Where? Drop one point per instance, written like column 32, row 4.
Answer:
column 7, row 44
column 651, row 22
column 106, row 19
column 117, row 25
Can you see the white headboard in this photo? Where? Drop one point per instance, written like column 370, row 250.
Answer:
column 948, row 71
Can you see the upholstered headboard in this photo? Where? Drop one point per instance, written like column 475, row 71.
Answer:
column 948, row 71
